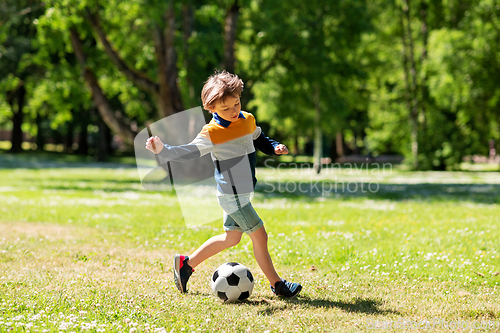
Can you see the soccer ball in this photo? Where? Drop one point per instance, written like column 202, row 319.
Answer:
column 232, row 282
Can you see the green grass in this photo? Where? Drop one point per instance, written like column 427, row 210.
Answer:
column 85, row 247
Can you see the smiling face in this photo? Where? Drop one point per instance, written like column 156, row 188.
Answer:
column 228, row 108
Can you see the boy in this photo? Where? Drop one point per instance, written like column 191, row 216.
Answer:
column 230, row 137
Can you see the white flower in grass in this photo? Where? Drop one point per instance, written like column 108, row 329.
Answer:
column 64, row 326
column 35, row 317
column 160, row 330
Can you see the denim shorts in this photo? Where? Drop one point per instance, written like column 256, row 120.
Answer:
column 239, row 217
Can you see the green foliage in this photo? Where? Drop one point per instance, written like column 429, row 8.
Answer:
column 458, row 84
column 344, row 58
column 203, row 51
column 307, row 59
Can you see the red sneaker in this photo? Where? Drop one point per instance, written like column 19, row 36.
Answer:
column 182, row 272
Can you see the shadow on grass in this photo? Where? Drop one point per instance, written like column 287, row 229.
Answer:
column 36, row 160
column 479, row 193
column 359, row 305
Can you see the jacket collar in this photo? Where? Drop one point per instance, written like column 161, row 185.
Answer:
column 224, row 122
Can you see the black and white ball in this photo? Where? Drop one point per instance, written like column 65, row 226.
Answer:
column 232, row 282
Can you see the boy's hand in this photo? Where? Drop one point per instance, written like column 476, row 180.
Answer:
column 154, row 144
column 281, row 149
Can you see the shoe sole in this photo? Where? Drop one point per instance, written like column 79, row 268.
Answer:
column 177, row 272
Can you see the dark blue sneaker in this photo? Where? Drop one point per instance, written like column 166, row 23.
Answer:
column 182, row 272
column 286, row 289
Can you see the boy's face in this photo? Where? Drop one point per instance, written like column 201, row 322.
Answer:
column 229, row 109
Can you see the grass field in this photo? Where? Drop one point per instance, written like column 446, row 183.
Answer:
column 83, row 247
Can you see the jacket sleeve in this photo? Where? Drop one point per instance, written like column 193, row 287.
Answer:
column 263, row 143
column 183, row 153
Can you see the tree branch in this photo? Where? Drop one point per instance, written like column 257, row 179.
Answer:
column 163, row 96
column 98, row 97
column 262, row 71
column 139, row 79
column 230, row 26
column 171, row 57
column 187, row 31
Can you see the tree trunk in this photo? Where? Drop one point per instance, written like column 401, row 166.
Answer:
column 339, row 144
column 40, row 138
column 166, row 92
column 165, row 108
column 414, row 87
column 70, row 136
column 83, row 145
column 17, row 121
column 230, row 26
column 406, row 71
column 171, row 59
column 295, row 150
column 139, row 79
column 318, row 136
column 423, row 59
column 102, row 146
column 187, row 31
column 98, row 97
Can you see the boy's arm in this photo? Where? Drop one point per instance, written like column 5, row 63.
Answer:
column 183, row 153
column 266, row 145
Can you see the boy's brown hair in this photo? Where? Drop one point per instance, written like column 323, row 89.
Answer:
column 218, row 86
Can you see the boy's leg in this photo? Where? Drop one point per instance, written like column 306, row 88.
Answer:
column 183, row 265
column 261, row 253
column 279, row 286
column 213, row 246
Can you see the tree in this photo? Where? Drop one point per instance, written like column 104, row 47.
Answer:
column 463, row 71
column 426, row 104
column 142, row 42
column 305, row 65
column 16, row 65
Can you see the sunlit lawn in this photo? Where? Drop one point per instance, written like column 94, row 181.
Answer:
column 85, row 247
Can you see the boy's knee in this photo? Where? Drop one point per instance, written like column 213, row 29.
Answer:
column 260, row 235
column 233, row 240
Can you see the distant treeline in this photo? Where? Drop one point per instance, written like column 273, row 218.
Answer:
column 417, row 78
